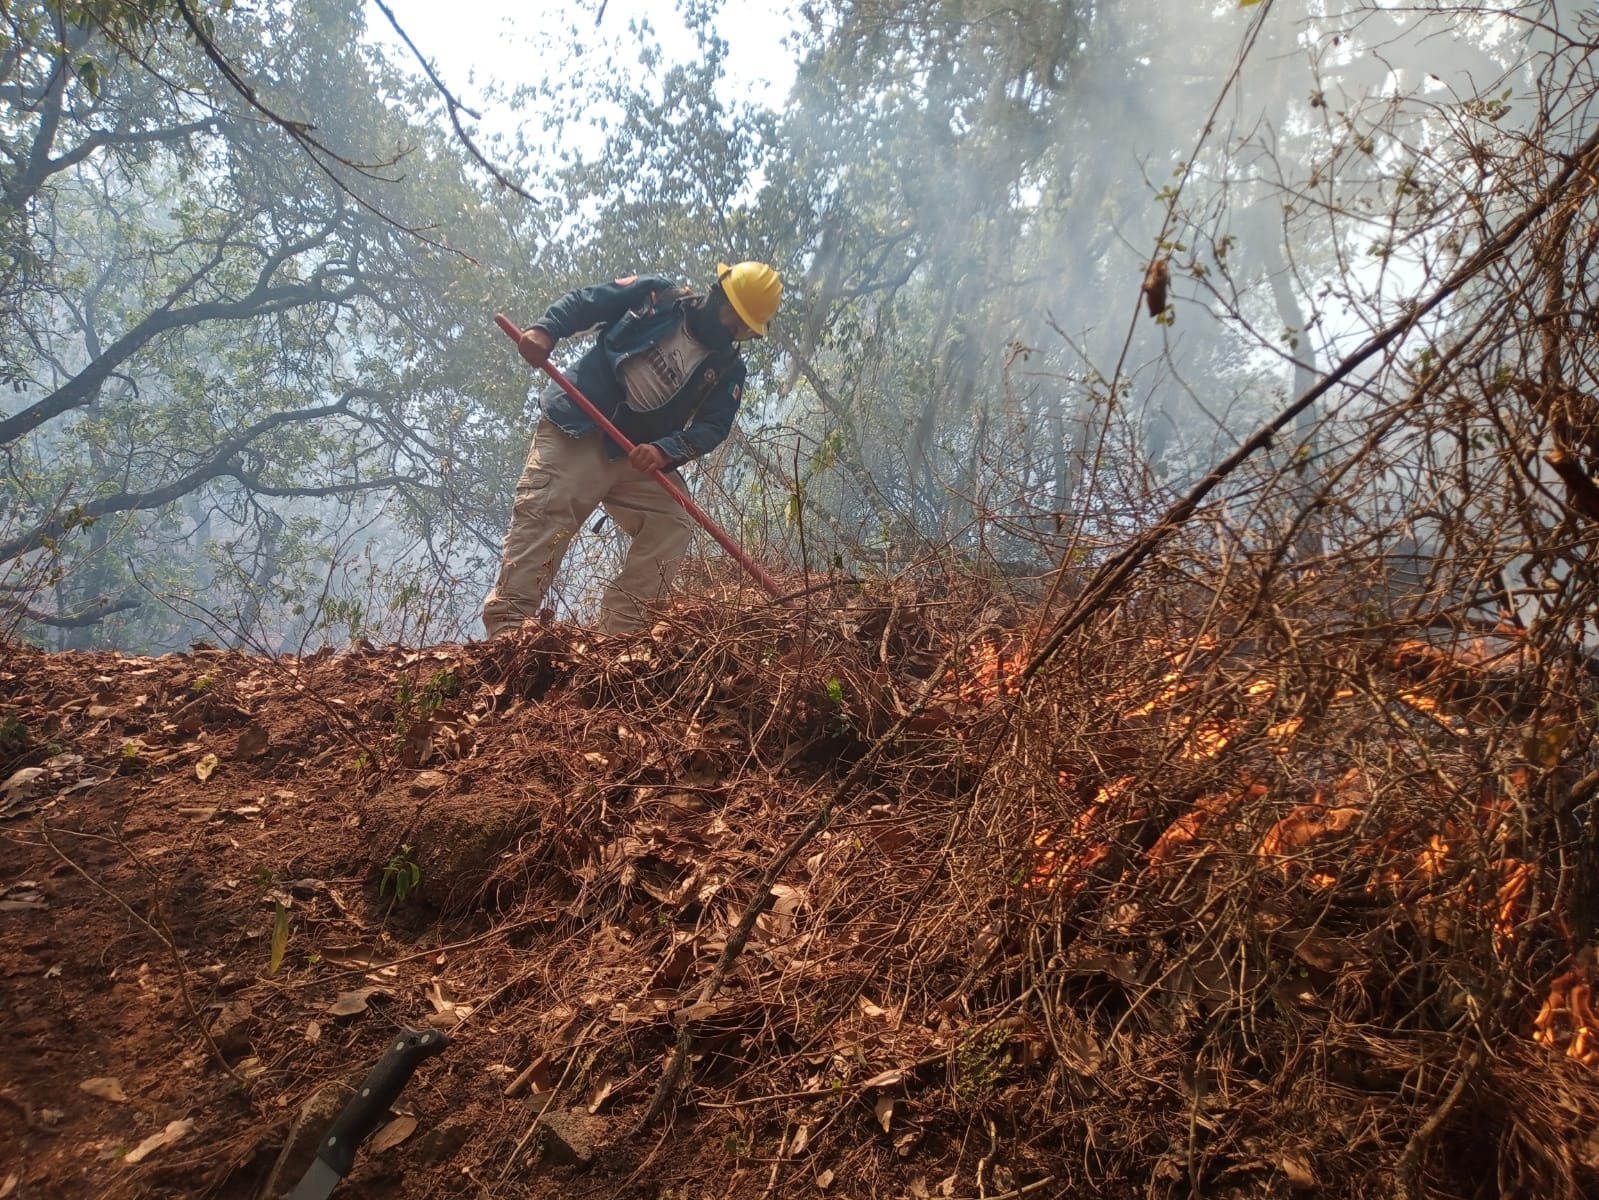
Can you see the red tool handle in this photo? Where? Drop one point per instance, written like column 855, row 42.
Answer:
column 621, row 439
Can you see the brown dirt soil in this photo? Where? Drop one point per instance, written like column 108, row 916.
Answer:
column 226, row 881
column 1182, row 917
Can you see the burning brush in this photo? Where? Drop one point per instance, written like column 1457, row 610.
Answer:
column 1567, row 1023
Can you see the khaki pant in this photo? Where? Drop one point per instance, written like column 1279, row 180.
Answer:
column 564, row 481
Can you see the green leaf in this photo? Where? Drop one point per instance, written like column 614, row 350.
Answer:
column 89, row 72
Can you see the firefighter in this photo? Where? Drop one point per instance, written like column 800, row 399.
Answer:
column 666, row 368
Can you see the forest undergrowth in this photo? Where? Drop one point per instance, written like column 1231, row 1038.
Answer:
column 866, row 897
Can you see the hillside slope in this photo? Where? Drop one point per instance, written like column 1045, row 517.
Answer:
column 1165, row 921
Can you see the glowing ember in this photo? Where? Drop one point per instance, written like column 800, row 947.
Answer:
column 1053, row 858
column 1303, row 827
column 989, row 670
column 1314, row 843
column 1567, row 1022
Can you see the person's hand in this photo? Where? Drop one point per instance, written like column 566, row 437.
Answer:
column 535, row 345
column 646, row 457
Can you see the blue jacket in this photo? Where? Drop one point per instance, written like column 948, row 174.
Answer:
column 631, row 315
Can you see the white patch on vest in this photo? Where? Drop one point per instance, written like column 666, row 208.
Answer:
column 653, row 376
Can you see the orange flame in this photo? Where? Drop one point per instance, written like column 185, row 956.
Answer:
column 990, row 669
column 1567, row 1022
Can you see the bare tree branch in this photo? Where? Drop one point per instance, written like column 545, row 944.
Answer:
column 301, row 132
column 454, row 107
column 1110, row 578
column 77, row 620
column 264, row 299
column 222, row 462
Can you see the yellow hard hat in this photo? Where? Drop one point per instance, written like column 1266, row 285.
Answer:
column 753, row 289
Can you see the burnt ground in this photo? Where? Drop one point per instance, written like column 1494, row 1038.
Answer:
column 227, row 880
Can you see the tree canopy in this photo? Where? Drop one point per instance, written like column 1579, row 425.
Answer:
column 227, row 346
column 1047, row 266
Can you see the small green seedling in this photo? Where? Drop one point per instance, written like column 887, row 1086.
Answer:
column 401, row 873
